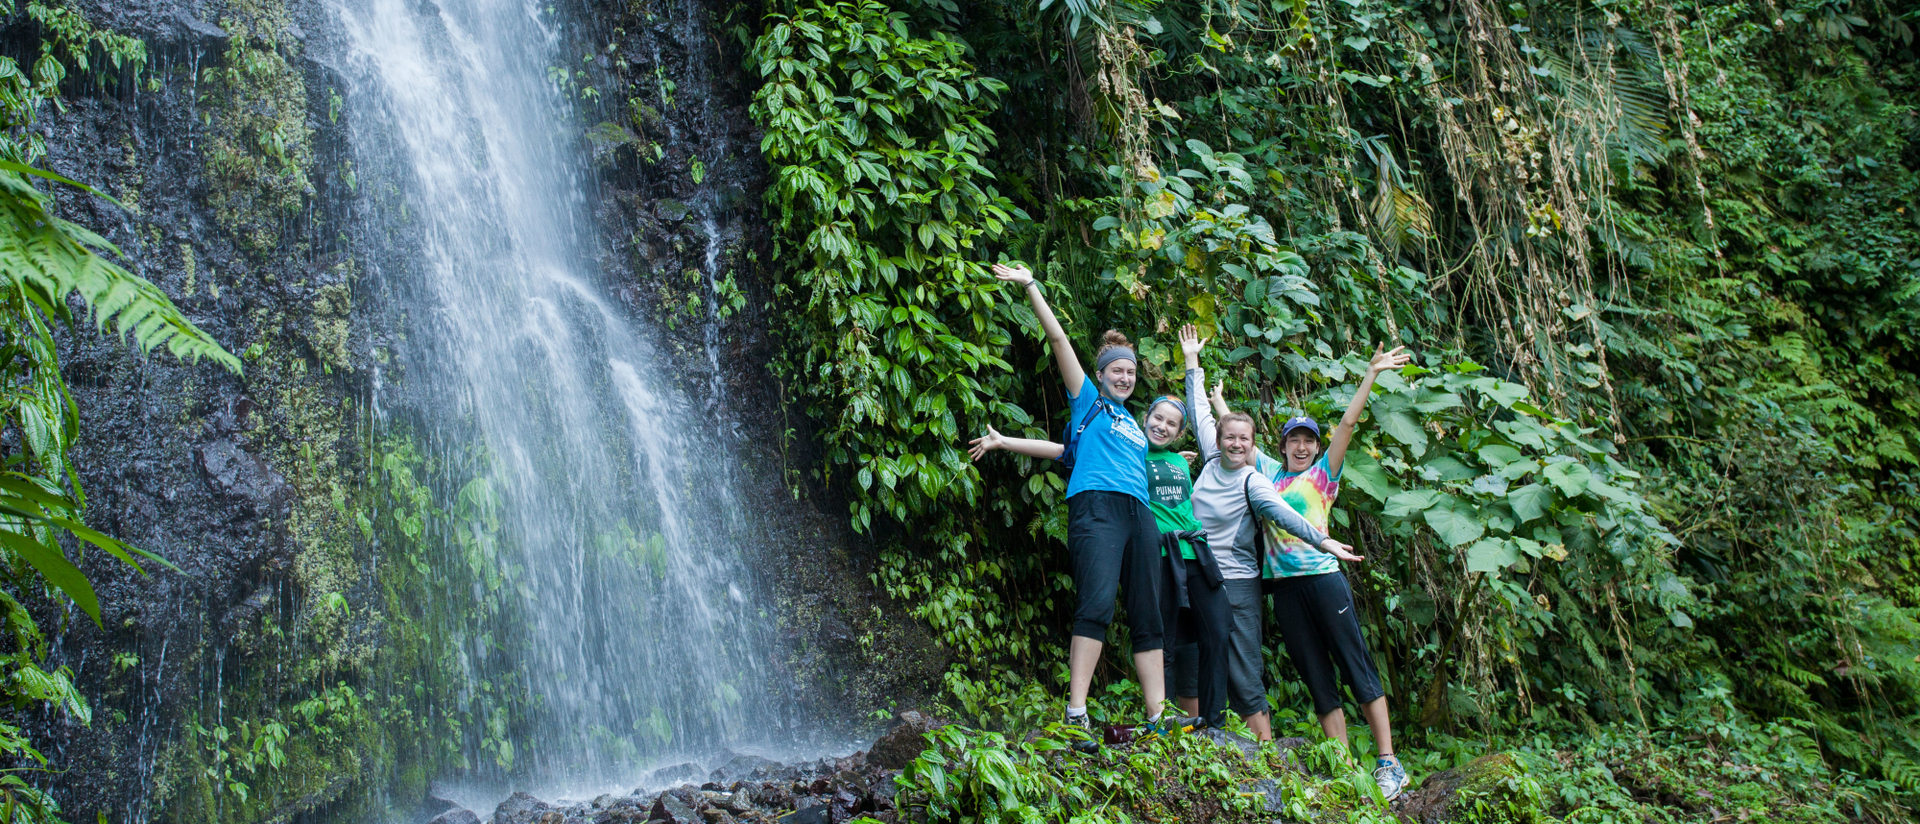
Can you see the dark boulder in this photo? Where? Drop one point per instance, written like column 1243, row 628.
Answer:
column 904, row 742
column 744, row 768
column 457, row 815
column 1493, row 779
column 236, row 475
column 817, row 814
column 675, row 775
column 845, row 805
column 673, row 809
column 520, row 808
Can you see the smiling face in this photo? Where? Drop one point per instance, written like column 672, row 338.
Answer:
column 1236, row 442
column 1301, row 449
column 1163, row 424
column 1117, row 379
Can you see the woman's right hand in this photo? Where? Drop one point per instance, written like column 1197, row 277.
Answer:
column 1013, row 274
column 1219, row 395
column 986, row 443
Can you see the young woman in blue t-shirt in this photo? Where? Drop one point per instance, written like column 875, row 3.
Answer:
column 1111, row 535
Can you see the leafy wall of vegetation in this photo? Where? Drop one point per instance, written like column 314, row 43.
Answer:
column 1656, row 467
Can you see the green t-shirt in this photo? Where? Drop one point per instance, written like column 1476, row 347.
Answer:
column 1170, row 495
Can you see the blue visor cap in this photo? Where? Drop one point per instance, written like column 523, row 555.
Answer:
column 1300, row 422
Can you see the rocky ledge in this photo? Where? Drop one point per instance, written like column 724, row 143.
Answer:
column 747, row 789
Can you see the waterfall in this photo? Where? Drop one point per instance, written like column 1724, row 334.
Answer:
column 631, row 612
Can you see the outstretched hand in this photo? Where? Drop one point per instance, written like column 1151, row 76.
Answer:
column 1190, row 342
column 979, row 447
column 1013, row 274
column 1339, row 550
column 1388, row 361
column 1219, row 394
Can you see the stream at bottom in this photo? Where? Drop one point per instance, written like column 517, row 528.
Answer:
column 738, row 785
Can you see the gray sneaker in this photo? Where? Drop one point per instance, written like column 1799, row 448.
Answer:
column 1391, row 777
column 1085, row 722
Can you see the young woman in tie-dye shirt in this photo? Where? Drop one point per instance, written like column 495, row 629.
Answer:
column 1312, row 602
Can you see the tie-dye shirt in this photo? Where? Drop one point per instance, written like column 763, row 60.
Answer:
column 1310, row 493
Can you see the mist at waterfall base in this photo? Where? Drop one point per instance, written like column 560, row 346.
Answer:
column 631, row 618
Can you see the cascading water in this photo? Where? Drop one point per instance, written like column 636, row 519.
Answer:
column 637, row 635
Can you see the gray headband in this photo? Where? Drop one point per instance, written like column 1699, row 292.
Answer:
column 1114, row 354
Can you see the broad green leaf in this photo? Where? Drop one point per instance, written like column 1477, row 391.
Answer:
column 1503, row 393
column 1498, row 454
column 59, row 572
column 1530, row 501
column 1406, row 430
column 1362, row 471
column 1571, row 477
column 1492, row 555
column 1448, row 468
column 1410, row 502
column 1456, row 523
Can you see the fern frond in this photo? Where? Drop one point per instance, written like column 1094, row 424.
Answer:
column 48, row 258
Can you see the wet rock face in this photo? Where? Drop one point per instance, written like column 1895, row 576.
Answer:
column 242, row 479
column 231, row 477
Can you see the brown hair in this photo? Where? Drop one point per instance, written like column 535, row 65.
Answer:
column 1110, row 340
column 1235, row 417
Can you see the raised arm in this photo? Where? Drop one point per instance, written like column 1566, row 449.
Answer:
column 1031, row 447
column 1203, row 420
column 1268, row 503
column 1343, row 434
column 1070, row 369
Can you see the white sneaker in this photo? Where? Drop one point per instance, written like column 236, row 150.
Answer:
column 1391, row 777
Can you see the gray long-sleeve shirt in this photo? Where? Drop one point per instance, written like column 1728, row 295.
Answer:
column 1220, row 496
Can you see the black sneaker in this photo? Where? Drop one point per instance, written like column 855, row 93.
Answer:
column 1084, row 722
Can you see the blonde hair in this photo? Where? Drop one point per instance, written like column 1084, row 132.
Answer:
column 1111, row 339
column 1236, row 417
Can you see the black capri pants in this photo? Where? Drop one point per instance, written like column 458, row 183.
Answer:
column 1115, row 546
column 1196, row 668
column 1321, row 629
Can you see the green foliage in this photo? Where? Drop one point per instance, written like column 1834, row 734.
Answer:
column 972, row 775
column 1656, row 261
column 882, row 204
column 259, row 146
column 47, row 260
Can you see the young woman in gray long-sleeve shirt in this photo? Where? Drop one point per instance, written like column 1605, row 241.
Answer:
column 1229, row 497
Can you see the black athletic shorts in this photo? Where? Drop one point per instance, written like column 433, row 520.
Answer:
column 1115, row 546
column 1321, row 629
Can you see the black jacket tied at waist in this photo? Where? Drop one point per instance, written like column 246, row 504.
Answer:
column 1209, row 568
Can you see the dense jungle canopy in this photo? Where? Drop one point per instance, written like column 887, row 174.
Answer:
column 1656, row 471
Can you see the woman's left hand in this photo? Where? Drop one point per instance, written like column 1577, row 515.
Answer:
column 986, row 443
column 1388, row 361
column 1339, row 550
column 1190, row 342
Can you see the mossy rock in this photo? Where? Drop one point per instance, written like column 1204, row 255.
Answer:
column 1491, row 789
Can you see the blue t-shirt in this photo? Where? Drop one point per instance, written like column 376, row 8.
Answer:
column 1111, row 454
